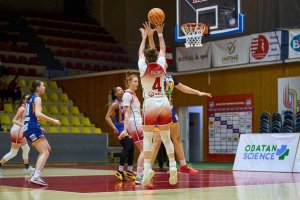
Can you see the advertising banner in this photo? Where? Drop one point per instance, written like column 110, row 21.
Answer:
column 230, row 52
column 266, row 152
column 265, row 47
column 294, row 43
column 194, row 58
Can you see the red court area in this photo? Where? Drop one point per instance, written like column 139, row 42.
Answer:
column 108, row 183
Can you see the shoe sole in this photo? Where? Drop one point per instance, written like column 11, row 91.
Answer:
column 173, row 177
column 39, row 184
column 147, row 180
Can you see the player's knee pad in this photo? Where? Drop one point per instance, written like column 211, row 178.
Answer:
column 11, row 154
column 165, row 137
column 147, row 141
column 26, row 150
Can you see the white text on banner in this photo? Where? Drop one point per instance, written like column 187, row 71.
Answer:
column 233, row 51
column 266, row 152
column 294, row 43
column 195, row 58
column 265, row 47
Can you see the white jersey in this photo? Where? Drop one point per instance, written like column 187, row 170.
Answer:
column 152, row 77
column 130, row 99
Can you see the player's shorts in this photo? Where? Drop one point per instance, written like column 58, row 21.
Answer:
column 16, row 134
column 34, row 133
column 135, row 129
column 174, row 116
column 120, row 127
column 157, row 111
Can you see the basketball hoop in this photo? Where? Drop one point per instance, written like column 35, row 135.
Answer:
column 194, row 33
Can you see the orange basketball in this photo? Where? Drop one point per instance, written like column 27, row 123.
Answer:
column 156, row 16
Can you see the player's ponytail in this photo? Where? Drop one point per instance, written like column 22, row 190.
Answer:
column 24, row 97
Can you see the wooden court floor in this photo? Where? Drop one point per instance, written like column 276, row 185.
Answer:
column 97, row 182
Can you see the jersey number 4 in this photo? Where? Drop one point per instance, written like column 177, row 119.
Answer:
column 156, row 85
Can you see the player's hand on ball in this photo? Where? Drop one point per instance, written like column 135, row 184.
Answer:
column 148, row 28
column 159, row 28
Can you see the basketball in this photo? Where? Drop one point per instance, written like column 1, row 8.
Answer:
column 156, row 16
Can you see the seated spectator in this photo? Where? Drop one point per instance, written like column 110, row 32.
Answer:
column 3, row 70
column 3, row 89
column 14, row 90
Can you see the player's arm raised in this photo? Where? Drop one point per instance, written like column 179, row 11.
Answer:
column 143, row 43
column 162, row 45
column 188, row 90
column 150, row 32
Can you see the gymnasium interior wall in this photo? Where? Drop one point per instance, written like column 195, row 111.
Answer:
column 90, row 93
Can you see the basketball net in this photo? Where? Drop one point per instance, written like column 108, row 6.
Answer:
column 194, row 33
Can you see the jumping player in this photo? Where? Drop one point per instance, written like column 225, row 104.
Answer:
column 17, row 138
column 133, row 119
column 116, row 109
column 156, row 105
column 170, row 82
column 33, row 131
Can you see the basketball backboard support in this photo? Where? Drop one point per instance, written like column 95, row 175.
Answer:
column 223, row 17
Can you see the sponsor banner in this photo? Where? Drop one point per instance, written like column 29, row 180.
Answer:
column 266, row 152
column 294, row 43
column 194, row 58
column 228, row 118
column 288, row 98
column 230, row 52
column 265, row 47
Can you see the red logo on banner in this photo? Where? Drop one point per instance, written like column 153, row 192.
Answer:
column 260, row 47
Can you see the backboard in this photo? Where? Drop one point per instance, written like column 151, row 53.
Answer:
column 223, row 17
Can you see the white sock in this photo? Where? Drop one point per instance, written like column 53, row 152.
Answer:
column 171, row 159
column 140, row 171
column 182, row 162
column 121, row 168
column 130, row 168
column 147, row 164
column 37, row 174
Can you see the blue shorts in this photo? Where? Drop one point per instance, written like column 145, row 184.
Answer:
column 33, row 133
column 174, row 116
column 120, row 128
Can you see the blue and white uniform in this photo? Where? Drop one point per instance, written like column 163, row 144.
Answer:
column 32, row 127
column 169, row 83
column 119, row 117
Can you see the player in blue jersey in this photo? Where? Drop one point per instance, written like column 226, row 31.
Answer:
column 116, row 109
column 33, row 131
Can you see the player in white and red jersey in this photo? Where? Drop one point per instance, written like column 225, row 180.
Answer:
column 133, row 119
column 157, row 109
